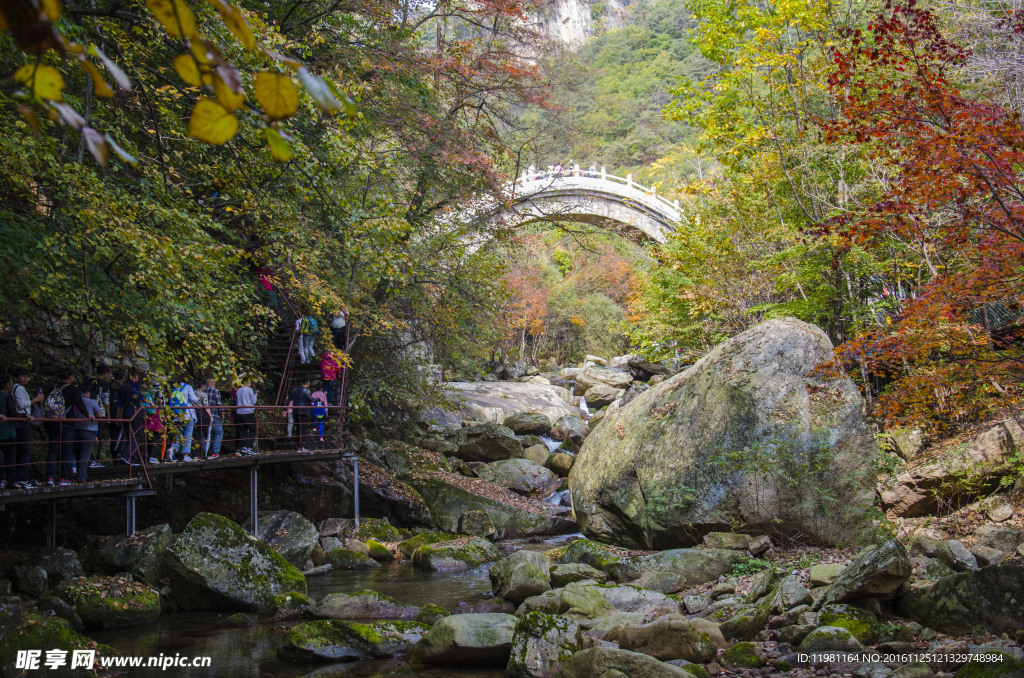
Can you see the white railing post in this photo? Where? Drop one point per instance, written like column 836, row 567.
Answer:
column 675, row 203
column 603, row 174
column 576, row 170
column 629, row 181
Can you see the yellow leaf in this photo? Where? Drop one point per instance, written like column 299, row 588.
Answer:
column 30, row 117
column 279, row 148
column 175, row 16
column 277, row 95
column 228, row 97
column 100, row 86
column 45, row 81
column 51, row 8
column 212, row 123
column 187, row 69
column 236, row 23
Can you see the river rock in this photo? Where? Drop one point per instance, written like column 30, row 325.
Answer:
column 988, row 598
column 366, row 604
column 540, row 643
column 521, row 575
column 383, row 493
column 496, row 401
column 333, row 640
column 214, row 564
column 592, row 376
column 48, row 633
column 142, row 554
column 409, row 546
column 824, row 574
column 654, row 476
column 283, row 606
column 569, row 572
column 571, row 430
column 830, row 639
column 401, row 459
column 600, row 395
column 288, row 533
column 347, row 559
column 596, row 662
column 876, row 572
column 695, row 640
column 467, row 639
column 457, row 554
column 561, row 463
column 30, row 580
column 111, row 602
column 676, row 569
column 450, row 496
column 1003, row 539
column 486, row 442
column 538, row 454
column 522, row 476
column 861, row 623
column 528, row 423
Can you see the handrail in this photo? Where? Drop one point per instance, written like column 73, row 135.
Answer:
column 602, row 175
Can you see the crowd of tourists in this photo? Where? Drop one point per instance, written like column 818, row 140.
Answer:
column 135, row 419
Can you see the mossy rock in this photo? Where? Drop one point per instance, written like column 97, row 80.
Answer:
column 238, row 620
column 332, row 640
column 366, row 604
column 287, row 605
column 482, row 639
column 409, row 546
column 379, row 552
column 346, row 559
column 744, row 656
column 215, row 565
column 588, row 552
column 379, row 529
column 47, row 633
column 561, row 575
column 861, row 623
column 431, row 614
column 111, row 602
column 830, row 638
column 540, row 643
column 454, row 555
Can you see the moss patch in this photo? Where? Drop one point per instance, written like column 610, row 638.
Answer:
column 111, row 602
column 409, row 546
column 744, row 656
column 45, row 634
column 861, row 623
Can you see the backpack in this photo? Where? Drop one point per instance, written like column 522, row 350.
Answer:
column 308, row 326
column 318, row 411
column 178, row 402
column 54, row 406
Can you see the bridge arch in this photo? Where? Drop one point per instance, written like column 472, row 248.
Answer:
column 593, row 197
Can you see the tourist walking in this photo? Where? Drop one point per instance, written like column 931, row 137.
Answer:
column 300, row 399
column 318, row 413
column 23, row 404
column 338, row 322
column 86, row 432
column 245, row 397
column 130, row 400
column 182, row 404
column 329, row 370
column 99, row 386
column 307, row 328
column 63, row 402
column 8, row 436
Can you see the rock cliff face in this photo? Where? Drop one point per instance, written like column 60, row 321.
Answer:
column 747, row 437
column 571, row 22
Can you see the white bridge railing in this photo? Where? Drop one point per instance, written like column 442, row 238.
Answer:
column 531, row 183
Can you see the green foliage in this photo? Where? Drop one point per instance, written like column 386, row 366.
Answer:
column 749, row 566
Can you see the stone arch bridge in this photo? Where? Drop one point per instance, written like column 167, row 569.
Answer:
column 592, row 197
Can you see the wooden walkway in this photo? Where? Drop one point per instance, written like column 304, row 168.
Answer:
column 110, row 480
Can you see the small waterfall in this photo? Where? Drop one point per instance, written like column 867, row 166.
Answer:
column 551, row 443
column 583, row 408
column 560, row 498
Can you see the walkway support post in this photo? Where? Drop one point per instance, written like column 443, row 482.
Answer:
column 349, row 456
column 252, row 497
column 629, row 180
column 129, row 527
column 51, row 524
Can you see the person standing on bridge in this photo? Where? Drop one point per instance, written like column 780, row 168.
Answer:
column 246, row 399
column 593, row 169
column 86, row 432
column 23, row 404
column 129, row 400
column 300, row 399
column 216, row 432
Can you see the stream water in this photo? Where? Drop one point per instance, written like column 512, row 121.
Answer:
column 252, row 652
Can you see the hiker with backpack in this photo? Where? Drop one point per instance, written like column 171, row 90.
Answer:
column 308, row 329
column 182, row 405
column 129, row 401
column 86, row 432
column 100, row 388
column 216, row 432
column 64, row 401
column 245, row 398
column 329, row 370
column 318, row 413
column 151, row 402
column 300, row 398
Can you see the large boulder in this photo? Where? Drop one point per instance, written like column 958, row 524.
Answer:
column 142, row 554
column 486, row 442
column 288, row 533
column 750, row 437
column 450, row 496
column 495, row 401
column 521, row 575
column 876, row 572
column 456, row 554
column 48, row 633
column 540, row 643
column 592, row 376
column 676, row 569
column 606, row 661
column 989, row 598
column 600, row 395
column 215, row 565
column 481, row 639
column 695, row 640
column 522, row 476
